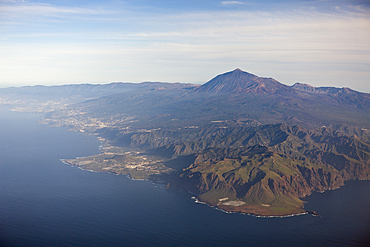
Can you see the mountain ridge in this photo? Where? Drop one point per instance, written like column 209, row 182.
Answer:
column 329, row 90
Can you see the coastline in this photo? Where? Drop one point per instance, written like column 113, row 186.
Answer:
column 252, row 210
column 105, row 148
column 196, row 200
column 223, row 209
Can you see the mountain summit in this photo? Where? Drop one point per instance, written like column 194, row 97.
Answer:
column 238, row 81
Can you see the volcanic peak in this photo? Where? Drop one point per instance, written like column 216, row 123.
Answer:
column 238, row 81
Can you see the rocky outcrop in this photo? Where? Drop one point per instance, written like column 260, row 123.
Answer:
column 318, row 179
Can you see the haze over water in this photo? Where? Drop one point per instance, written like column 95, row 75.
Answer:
column 44, row 202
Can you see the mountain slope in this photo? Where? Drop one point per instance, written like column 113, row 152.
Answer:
column 343, row 96
column 236, row 96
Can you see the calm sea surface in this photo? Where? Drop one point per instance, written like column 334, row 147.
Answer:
column 44, row 202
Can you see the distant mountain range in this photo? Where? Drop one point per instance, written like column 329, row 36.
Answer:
column 240, row 142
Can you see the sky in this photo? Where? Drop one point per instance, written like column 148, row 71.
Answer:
column 321, row 42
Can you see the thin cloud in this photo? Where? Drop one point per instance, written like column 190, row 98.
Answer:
column 232, row 3
column 46, row 10
column 12, row 1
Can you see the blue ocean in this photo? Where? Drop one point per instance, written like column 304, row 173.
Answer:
column 44, row 202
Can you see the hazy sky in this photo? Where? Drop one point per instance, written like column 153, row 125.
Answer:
column 322, row 43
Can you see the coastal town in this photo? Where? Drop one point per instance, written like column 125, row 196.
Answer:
column 121, row 161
